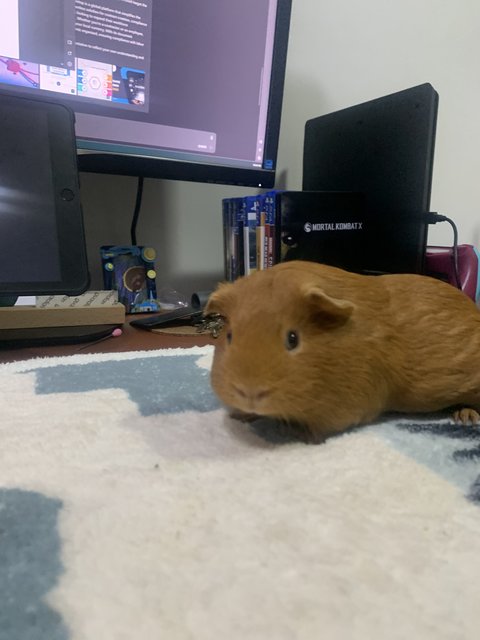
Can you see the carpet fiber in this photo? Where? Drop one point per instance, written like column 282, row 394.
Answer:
column 132, row 507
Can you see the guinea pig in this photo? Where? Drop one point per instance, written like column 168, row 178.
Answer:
column 327, row 349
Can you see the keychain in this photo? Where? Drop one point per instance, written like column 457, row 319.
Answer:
column 212, row 323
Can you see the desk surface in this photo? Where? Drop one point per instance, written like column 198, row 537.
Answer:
column 132, row 339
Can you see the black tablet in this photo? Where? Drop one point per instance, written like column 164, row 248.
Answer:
column 42, row 242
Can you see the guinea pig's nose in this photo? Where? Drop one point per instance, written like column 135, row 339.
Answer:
column 251, row 395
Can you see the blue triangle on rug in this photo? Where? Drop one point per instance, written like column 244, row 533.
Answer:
column 30, row 565
column 152, row 384
column 452, row 451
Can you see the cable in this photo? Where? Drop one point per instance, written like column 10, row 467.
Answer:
column 433, row 218
column 136, row 211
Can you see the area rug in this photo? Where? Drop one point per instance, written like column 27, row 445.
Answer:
column 132, row 507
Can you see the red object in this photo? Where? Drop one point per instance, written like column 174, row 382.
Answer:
column 439, row 263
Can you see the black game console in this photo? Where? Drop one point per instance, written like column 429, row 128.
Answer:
column 325, row 226
column 382, row 149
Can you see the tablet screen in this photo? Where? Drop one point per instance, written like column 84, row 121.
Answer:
column 42, row 245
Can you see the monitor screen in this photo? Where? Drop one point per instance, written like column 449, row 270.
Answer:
column 160, row 88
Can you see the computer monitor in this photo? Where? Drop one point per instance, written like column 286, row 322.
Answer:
column 384, row 150
column 161, row 88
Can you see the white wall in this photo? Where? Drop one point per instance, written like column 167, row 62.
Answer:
column 341, row 53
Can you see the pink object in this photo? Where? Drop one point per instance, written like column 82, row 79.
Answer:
column 115, row 334
column 439, row 264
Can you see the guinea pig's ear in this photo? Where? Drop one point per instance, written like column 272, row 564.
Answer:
column 331, row 312
column 220, row 300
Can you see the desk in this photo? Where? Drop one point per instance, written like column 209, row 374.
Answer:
column 132, row 339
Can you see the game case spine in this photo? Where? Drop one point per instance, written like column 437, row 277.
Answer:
column 261, row 232
column 273, row 230
column 268, row 231
column 238, row 216
column 250, row 234
column 228, row 240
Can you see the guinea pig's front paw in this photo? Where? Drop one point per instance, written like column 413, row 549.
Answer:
column 466, row 416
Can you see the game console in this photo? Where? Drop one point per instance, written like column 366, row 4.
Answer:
column 384, row 149
column 337, row 228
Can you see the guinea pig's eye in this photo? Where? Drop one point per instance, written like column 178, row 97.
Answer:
column 291, row 340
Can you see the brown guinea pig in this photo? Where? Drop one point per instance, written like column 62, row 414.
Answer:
column 320, row 347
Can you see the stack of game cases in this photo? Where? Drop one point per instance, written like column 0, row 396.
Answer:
column 250, row 233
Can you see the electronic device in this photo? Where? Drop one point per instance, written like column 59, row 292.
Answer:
column 169, row 89
column 383, row 149
column 181, row 316
column 41, row 336
column 325, row 226
column 42, row 243
column 191, row 314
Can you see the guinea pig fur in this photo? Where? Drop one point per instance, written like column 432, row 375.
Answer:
column 326, row 349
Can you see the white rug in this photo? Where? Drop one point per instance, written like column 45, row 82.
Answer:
column 132, row 507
